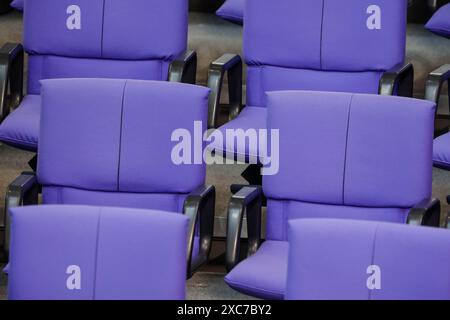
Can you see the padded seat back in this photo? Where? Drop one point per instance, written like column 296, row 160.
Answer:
column 322, row 45
column 108, row 142
column 92, row 253
column 353, row 156
column 134, row 39
column 360, row 260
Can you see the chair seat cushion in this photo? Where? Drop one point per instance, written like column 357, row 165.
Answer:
column 17, row 4
column 232, row 10
column 441, row 151
column 440, row 22
column 21, row 128
column 262, row 275
column 249, row 118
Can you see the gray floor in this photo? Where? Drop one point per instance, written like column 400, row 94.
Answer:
column 207, row 284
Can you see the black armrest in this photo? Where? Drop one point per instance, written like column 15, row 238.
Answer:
column 400, row 78
column 11, row 75
column 246, row 201
column 426, row 213
column 21, row 192
column 184, row 68
column 199, row 207
column 232, row 64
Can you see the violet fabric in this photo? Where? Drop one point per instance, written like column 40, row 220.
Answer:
column 264, row 274
column 354, row 156
column 272, row 78
column 440, row 22
column 249, row 118
column 441, row 154
column 21, row 127
column 328, row 260
column 112, row 267
column 101, row 48
column 106, row 27
column 280, row 212
column 17, row 4
column 232, row 10
column 52, row 67
column 318, row 45
column 123, row 150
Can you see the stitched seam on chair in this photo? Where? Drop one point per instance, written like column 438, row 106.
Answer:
column 372, row 262
column 94, row 292
column 103, row 28
column 346, row 149
column 321, row 32
column 120, row 137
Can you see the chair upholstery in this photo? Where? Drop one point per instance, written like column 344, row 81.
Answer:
column 340, row 165
column 441, row 155
column 120, row 158
column 26, row 118
column 113, row 248
column 328, row 260
column 318, row 45
column 116, row 39
column 440, row 22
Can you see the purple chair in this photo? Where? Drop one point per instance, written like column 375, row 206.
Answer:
column 355, row 156
column 108, row 143
column 357, row 46
column 361, row 260
column 135, row 39
column 95, row 253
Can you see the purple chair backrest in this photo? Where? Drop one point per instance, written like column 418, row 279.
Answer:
column 133, row 39
column 355, row 156
column 94, row 253
column 321, row 45
column 360, row 260
column 108, row 142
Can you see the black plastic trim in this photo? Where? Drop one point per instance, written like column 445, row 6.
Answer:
column 184, row 68
column 399, row 80
column 247, row 201
column 199, row 206
column 232, row 65
column 11, row 77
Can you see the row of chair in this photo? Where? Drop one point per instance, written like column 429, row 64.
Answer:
column 73, row 247
column 101, row 143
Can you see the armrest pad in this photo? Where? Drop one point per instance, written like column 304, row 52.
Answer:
column 426, row 213
column 199, row 207
column 399, row 79
column 232, row 65
column 247, row 201
column 184, row 68
column 11, row 74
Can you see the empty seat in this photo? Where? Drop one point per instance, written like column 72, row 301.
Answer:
column 94, row 253
column 354, row 156
column 107, row 142
column 138, row 39
column 361, row 260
